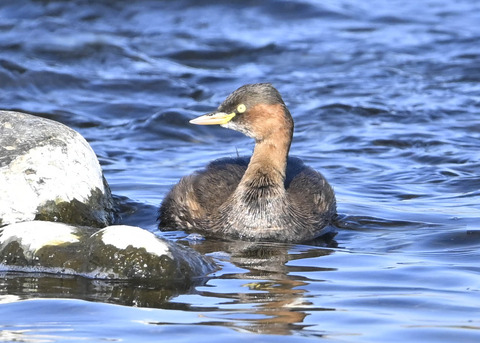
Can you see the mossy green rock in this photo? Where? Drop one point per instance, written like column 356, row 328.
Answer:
column 115, row 252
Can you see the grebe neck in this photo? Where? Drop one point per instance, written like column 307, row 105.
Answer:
column 267, row 167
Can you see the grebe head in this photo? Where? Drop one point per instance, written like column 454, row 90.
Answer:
column 256, row 110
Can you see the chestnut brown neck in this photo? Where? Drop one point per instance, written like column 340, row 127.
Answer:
column 273, row 135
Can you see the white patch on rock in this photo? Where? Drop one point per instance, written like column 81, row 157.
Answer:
column 37, row 234
column 9, row 298
column 122, row 236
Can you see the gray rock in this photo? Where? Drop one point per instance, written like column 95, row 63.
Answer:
column 115, row 252
column 50, row 176
column 49, row 172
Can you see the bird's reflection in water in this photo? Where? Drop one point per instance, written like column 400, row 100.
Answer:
column 275, row 289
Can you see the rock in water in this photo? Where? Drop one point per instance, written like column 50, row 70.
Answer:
column 49, row 172
column 49, row 178
column 116, row 252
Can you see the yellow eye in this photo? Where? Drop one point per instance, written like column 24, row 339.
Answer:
column 241, row 108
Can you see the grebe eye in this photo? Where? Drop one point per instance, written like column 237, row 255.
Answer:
column 241, row 108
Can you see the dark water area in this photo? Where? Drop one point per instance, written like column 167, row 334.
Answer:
column 386, row 101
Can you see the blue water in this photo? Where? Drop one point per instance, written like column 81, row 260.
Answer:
column 386, row 100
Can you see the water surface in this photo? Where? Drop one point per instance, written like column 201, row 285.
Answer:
column 385, row 96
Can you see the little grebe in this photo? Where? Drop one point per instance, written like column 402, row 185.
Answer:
column 268, row 197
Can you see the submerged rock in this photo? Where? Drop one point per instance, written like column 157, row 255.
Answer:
column 49, row 172
column 115, row 252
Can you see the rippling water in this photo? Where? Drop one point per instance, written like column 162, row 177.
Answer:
column 386, row 100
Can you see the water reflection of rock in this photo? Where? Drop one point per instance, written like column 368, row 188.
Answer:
column 277, row 301
column 124, row 292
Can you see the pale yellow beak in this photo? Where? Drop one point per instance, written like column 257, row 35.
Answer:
column 214, row 118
